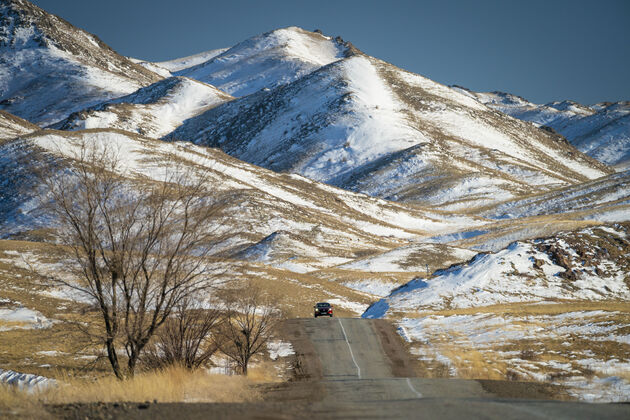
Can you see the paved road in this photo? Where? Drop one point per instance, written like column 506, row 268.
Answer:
column 358, row 383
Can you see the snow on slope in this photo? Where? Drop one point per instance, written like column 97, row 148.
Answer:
column 151, row 111
column 153, row 67
column 22, row 318
column 25, row 381
column 332, row 225
column 602, row 131
column 365, row 125
column 179, row 64
column 598, row 196
column 264, row 61
column 584, row 351
column 12, row 126
column 286, row 250
column 590, row 264
column 49, row 68
column 411, row 258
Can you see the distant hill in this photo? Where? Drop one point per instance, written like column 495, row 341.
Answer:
column 602, row 131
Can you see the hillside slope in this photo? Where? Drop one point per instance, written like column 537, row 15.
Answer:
column 49, row 68
column 152, row 111
column 602, row 131
column 333, row 226
column 183, row 63
column 12, row 126
column 365, row 125
column 589, row 264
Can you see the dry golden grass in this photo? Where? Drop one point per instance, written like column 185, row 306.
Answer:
column 472, row 364
column 521, row 309
column 169, row 385
column 298, row 292
column 529, row 228
column 263, row 372
column 20, row 405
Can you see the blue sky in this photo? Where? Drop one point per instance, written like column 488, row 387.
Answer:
column 542, row 50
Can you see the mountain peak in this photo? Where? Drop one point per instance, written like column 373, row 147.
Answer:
column 51, row 68
column 24, row 25
column 270, row 59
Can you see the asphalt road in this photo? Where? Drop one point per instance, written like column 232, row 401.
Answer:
column 358, row 383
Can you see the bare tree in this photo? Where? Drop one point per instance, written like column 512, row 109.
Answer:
column 140, row 245
column 185, row 339
column 251, row 317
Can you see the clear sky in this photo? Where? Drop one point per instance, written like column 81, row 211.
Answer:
column 543, row 50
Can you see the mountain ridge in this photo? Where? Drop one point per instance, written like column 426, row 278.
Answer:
column 52, row 68
column 153, row 111
column 601, row 130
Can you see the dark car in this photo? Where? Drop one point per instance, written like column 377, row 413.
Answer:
column 323, row 309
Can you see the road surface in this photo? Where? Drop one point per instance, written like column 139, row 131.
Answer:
column 359, row 383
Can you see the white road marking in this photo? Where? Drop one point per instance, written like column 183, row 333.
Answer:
column 350, row 348
column 419, row 395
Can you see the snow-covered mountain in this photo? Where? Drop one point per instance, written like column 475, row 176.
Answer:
column 323, row 109
column 152, row 111
column 49, row 68
column 335, row 133
column 362, row 124
column 601, row 131
column 264, row 61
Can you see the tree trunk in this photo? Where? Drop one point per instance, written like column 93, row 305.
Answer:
column 244, row 366
column 131, row 363
column 113, row 358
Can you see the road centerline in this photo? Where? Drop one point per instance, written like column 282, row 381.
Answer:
column 343, row 330
column 419, row 395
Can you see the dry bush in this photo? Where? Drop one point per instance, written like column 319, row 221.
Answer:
column 174, row 384
column 250, row 320
column 185, row 339
column 512, row 375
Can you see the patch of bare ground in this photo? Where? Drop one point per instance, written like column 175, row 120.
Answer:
column 396, row 350
column 526, row 390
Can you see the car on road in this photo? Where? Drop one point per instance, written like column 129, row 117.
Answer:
column 323, row 309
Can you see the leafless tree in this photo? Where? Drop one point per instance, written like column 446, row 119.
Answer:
column 185, row 339
column 140, row 245
column 251, row 317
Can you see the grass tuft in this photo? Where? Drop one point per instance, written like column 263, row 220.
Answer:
column 174, row 384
